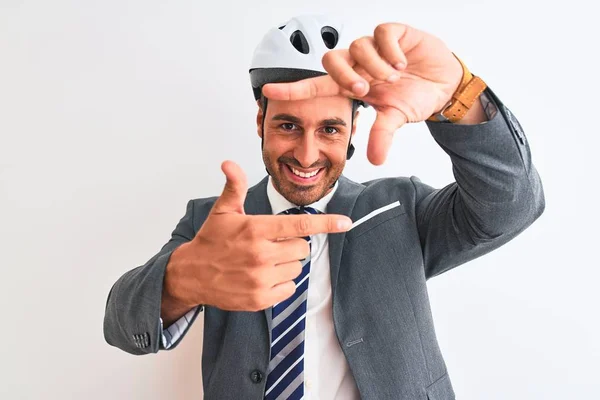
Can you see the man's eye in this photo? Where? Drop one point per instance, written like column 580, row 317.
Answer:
column 288, row 126
column 330, row 130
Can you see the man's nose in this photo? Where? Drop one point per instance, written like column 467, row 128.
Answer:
column 307, row 151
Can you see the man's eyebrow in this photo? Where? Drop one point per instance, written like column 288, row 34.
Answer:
column 333, row 121
column 295, row 120
column 288, row 118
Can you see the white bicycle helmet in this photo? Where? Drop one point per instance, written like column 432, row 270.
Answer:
column 294, row 50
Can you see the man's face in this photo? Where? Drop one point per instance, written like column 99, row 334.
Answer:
column 305, row 145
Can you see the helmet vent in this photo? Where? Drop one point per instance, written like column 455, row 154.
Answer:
column 330, row 36
column 281, row 27
column 299, row 42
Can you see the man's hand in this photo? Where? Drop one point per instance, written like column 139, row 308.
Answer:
column 405, row 74
column 241, row 262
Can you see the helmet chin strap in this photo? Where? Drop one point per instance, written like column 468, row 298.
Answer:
column 262, row 127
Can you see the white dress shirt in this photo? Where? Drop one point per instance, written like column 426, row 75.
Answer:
column 326, row 371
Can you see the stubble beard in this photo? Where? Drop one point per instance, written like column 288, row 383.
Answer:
column 301, row 195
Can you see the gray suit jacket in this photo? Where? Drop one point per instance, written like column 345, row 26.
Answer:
column 379, row 269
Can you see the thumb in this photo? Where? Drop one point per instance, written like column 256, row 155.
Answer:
column 382, row 132
column 234, row 193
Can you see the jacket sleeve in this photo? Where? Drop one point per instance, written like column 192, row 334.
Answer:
column 496, row 195
column 132, row 316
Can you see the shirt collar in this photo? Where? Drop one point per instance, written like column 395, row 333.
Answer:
column 280, row 203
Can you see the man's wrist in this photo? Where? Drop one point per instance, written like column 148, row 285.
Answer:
column 464, row 107
column 489, row 110
column 475, row 115
column 173, row 306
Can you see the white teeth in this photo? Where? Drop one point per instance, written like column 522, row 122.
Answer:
column 303, row 175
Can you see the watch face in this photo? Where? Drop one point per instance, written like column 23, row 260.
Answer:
column 514, row 122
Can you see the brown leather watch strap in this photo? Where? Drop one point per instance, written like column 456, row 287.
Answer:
column 468, row 92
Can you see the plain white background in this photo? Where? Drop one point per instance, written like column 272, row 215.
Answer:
column 113, row 114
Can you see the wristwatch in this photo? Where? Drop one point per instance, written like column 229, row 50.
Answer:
column 468, row 92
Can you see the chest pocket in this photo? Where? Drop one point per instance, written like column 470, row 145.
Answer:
column 374, row 219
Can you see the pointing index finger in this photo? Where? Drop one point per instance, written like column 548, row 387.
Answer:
column 287, row 226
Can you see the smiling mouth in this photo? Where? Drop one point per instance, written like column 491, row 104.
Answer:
column 302, row 176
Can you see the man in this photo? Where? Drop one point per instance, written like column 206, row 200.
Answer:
column 332, row 303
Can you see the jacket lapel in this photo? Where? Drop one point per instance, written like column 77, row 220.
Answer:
column 257, row 201
column 342, row 203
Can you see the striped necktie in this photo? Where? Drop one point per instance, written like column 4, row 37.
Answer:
column 285, row 380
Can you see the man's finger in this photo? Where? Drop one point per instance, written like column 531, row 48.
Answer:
column 388, row 39
column 365, row 53
column 321, row 86
column 339, row 65
column 281, row 292
column 275, row 227
column 234, row 194
column 292, row 249
column 285, row 272
column 382, row 133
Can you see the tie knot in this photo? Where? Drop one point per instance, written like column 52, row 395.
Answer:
column 301, row 210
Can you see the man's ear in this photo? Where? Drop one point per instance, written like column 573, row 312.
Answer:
column 259, row 118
